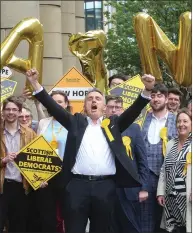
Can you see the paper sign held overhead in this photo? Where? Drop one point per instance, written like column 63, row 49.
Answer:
column 76, row 86
column 7, row 88
column 129, row 91
column 38, row 162
column 5, row 72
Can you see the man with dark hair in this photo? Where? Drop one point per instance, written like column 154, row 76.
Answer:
column 95, row 159
column 114, row 104
column 13, row 187
column 117, row 79
column 127, row 213
column 174, row 100
column 159, row 127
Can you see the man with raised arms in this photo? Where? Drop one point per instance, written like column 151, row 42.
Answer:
column 95, row 160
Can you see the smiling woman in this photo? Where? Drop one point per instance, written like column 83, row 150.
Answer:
column 174, row 182
column 184, row 124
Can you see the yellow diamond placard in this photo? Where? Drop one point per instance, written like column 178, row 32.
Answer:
column 76, row 86
column 38, row 162
column 129, row 91
column 7, row 88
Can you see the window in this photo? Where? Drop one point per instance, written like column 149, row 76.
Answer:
column 93, row 15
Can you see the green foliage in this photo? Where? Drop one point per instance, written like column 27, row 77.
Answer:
column 122, row 52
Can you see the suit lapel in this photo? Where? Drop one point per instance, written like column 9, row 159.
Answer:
column 111, row 128
column 168, row 124
column 146, row 125
column 113, row 144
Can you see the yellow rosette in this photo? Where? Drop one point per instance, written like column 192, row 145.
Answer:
column 163, row 136
column 127, row 143
column 188, row 161
column 105, row 123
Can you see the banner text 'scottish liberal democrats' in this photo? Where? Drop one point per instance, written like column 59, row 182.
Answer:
column 38, row 162
column 129, row 91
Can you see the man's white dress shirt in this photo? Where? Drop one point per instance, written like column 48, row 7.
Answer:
column 155, row 127
column 94, row 156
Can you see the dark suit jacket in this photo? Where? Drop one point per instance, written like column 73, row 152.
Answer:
column 76, row 124
column 139, row 161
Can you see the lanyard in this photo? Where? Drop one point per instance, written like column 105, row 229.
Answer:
column 54, row 142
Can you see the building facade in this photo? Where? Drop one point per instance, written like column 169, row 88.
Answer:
column 59, row 19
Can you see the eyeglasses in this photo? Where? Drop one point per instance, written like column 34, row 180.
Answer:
column 111, row 107
column 11, row 109
column 25, row 116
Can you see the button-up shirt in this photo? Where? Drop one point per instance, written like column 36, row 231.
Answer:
column 12, row 143
column 94, row 156
column 155, row 127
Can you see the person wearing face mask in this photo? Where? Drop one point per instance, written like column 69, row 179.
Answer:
column 174, row 186
column 50, row 219
column 95, row 159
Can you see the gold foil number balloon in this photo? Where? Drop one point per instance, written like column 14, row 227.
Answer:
column 31, row 30
column 152, row 41
column 89, row 49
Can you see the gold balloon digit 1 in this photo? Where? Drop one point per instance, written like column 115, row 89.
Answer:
column 152, row 41
column 29, row 29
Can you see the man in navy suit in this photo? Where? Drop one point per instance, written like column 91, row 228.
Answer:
column 129, row 199
column 95, row 160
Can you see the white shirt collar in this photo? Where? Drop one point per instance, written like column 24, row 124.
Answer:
column 99, row 121
column 162, row 118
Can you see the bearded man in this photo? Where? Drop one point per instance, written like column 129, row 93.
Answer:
column 159, row 127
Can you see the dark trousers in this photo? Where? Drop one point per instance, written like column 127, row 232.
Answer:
column 180, row 230
column 33, row 221
column 130, row 223
column 44, row 202
column 89, row 199
column 151, row 211
column 13, row 207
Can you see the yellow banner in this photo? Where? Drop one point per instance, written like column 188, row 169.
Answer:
column 76, row 86
column 129, row 91
column 38, row 162
column 7, row 88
